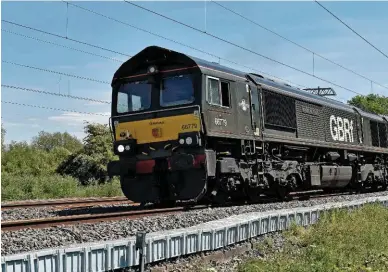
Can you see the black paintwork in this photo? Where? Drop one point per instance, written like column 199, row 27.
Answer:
column 153, row 52
column 239, row 122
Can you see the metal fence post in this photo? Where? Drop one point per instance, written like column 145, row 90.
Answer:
column 140, row 245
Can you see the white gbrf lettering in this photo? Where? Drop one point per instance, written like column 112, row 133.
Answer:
column 341, row 129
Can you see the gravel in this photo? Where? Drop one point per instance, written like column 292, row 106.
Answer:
column 26, row 213
column 33, row 239
column 45, row 212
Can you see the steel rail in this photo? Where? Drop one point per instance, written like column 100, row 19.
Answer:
column 139, row 213
column 88, row 218
column 73, row 202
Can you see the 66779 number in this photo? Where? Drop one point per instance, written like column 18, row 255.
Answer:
column 189, row 126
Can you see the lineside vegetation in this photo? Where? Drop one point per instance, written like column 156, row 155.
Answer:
column 54, row 186
column 340, row 241
column 58, row 165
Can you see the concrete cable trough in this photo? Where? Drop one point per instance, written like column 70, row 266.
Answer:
column 163, row 245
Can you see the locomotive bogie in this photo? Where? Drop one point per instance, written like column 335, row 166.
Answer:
column 202, row 131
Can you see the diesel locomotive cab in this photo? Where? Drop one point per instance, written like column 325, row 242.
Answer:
column 156, row 126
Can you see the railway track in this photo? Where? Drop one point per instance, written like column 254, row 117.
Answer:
column 139, row 212
column 70, row 202
column 90, row 218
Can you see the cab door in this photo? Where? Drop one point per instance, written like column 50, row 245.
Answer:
column 243, row 110
column 255, row 109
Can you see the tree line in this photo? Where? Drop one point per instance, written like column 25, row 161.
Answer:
column 86, row 161
column 61, row 153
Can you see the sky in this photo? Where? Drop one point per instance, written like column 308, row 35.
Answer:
column 305, row 23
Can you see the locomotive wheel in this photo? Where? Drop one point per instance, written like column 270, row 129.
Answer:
column 360, row 189
column 220, row 197
column 125, row 188
column 375, row 187
column 253, row 194
column 283, row 193
column 166, row 204
column 385, row 186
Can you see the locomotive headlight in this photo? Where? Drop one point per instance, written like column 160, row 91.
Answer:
column 189, row 140
column 152, row 69
column 125, row 147
column 120, row 148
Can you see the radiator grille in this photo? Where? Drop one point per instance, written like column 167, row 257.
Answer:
column 279, row 110
column 310, row 122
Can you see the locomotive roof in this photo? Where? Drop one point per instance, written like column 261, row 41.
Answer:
column 156, row 52
column 261, row 80
column 372, row 116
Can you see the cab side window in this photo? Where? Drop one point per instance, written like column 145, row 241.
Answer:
column 218, row 92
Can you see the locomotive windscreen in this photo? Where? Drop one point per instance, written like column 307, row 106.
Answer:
column 134, row 96
column 176, row 90
column 172, row 91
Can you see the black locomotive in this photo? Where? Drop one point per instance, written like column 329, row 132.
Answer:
column 186, row 129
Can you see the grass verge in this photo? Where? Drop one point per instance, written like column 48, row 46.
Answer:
column 340, row 241
column 53, row 186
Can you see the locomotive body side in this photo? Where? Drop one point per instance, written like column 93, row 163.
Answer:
column 325, row 144
column 239, row 136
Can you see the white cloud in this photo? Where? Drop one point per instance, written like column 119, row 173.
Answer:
column 16, row 124
column 78, row 119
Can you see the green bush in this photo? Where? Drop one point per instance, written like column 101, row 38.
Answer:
column 23, row 159
column 91, row 162
column 84, row 168
column 57, row 165
column 49, row 141
column 14, row 187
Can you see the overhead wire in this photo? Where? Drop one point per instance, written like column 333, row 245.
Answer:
column 241, row 47
column 177, row 42
column 60, row 45
column 55, row 72
column 127, row 55
column 96, row 46
column 54, row 94
column 297, row 44
column 66, row 38
column 80, row 77
column 58, row 94
column 351, row 29
column 52, row 108
column 151, row 33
